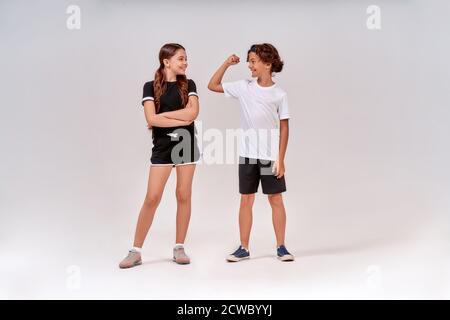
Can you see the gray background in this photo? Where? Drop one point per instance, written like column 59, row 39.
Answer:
column 367, row 161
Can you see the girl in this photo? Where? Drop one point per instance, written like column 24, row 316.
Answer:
column 171, row 106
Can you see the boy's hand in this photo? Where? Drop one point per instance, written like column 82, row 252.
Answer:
column 278, row 169
column 232, row 60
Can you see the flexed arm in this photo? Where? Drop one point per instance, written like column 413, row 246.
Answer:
column 215, row 84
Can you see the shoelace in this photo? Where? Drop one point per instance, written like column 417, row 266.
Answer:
column 282, row 251
column 240, row 251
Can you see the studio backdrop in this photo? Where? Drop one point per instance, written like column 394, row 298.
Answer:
column 366, row 166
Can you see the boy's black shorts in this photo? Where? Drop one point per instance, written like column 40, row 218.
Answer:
column 251, row 171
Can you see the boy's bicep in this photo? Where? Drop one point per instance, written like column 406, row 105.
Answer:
column 218, row 88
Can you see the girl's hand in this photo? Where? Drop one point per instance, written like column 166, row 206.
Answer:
column 278, row 169
column 232, row 60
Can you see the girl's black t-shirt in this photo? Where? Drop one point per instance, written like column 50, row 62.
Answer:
column 169, row 101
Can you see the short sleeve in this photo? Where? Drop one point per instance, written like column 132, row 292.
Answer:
column 148, row 92
column 283, row 109
column 233, row 89
column 192, row 88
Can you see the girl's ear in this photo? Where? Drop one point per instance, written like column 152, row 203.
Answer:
column 166, row 63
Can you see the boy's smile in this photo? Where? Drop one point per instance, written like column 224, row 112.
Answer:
column 257, row 66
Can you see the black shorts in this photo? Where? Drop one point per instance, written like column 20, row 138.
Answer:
column 170, row 151
column 251, row 171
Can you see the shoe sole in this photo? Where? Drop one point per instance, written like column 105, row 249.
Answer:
column 133, row 265
column 235, row 259
column 181, row 261
column 286, row 258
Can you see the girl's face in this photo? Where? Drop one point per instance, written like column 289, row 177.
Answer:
column 257, row 66
column 177, row 63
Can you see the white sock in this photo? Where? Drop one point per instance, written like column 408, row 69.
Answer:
column 136, row 249
column 246, row 249
column 179, row 245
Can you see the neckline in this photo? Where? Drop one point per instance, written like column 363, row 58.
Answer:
column 264, row 88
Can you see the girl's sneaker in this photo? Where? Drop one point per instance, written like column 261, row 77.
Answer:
column 240, row 254
column 179, row 256
column 283, row 254
column 132, row 259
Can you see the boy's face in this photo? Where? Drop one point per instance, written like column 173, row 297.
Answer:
column 257, row 66
column 177, row 63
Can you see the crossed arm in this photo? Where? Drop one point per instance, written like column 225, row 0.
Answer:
column 182, row 117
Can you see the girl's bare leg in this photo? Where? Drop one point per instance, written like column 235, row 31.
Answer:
column 185, row 175
column 156, row 182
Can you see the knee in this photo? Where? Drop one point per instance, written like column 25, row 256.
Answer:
column 152, row 199
column 247, row 199
column 183, row 194
column 276, row 200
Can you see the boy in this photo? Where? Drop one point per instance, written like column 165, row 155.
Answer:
column 264, row 110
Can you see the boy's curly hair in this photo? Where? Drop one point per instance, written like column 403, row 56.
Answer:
column 268, row 54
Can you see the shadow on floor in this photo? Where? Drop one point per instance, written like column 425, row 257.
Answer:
column 149, row 262
column 341, row 249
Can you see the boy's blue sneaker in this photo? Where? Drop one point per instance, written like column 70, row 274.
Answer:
column 283, row 254
column 240, row 254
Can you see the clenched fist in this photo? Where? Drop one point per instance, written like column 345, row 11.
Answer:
column 232, row 60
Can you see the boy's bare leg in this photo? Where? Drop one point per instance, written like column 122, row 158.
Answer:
column 245, row 218
column 278, row 217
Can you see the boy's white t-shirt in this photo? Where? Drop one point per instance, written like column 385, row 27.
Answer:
column 261, row 110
